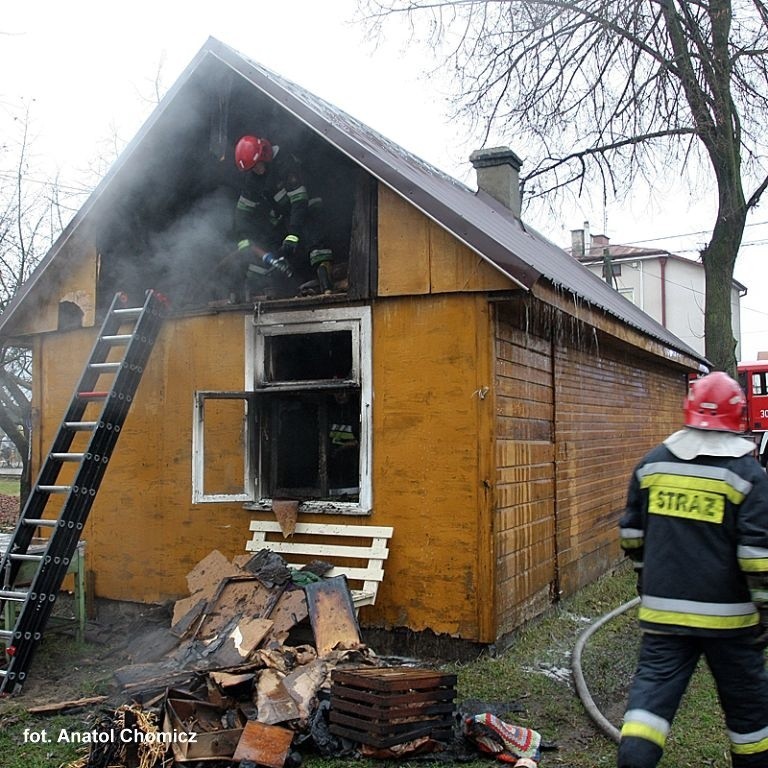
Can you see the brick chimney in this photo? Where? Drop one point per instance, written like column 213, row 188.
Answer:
column 599, row 243
column 580, row 242
column 577, row 243
column 498, row 174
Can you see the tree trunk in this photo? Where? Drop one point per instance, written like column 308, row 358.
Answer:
column 719, row 258
column 25, row 481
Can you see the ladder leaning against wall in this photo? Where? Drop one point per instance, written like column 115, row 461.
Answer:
column 73, row 470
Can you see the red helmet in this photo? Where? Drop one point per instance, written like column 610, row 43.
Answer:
column 716, row 402
column 251, row 150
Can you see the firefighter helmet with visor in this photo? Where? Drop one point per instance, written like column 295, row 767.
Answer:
column 716, row 402
column 251, row 150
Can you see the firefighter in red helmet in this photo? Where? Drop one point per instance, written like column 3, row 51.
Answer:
column 278, row 226
column 696, row 528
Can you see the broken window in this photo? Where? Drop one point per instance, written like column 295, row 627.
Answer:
column 306, row 424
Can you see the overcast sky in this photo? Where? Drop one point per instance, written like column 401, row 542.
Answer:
column 91, row 68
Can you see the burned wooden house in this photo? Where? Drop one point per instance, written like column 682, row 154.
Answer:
column 500, row 392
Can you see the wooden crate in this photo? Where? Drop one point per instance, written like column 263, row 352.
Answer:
column 383, row 707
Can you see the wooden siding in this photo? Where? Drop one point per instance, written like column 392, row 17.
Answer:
column 416, row 256
column 526, row 563
column 612, row 405
column 575, row 410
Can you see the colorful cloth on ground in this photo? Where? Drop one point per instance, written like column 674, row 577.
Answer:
column 508, row 742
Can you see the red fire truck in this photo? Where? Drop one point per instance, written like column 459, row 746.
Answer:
column 753, row 378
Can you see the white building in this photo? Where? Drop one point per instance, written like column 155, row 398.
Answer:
column 670, row 288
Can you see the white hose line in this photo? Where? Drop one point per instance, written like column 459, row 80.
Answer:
column 581, row 687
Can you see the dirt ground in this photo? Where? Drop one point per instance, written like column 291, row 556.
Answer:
column 121, row 635
column 118, row 635
column 9, row 511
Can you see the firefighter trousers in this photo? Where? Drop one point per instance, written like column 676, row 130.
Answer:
column 664, row 668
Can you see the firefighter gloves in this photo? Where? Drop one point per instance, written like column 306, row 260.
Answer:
column 288, row 248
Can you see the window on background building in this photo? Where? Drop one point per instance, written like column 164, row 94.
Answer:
column 303, row 430
column 628, row 293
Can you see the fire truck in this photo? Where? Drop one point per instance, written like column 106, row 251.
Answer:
column 753, row 377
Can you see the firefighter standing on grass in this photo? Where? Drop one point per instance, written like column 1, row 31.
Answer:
column 278, row 226
column 696, row 528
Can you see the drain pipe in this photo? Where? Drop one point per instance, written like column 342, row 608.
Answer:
column 581, row 686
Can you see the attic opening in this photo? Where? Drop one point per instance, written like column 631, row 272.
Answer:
column 168, row 219
column 70, row 316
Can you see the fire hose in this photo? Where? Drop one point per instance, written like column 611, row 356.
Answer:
column 578, row 676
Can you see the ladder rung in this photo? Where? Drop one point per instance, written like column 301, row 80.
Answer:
column 93, row 395
column 105, row 366
column 128, row 311
column 9, row 594
column 40, row 521
column 67, row 456
column 6, row 634
column 81, row 424
column 118, row 338
column 54, row 488
column 38, row 558
column 26, row 557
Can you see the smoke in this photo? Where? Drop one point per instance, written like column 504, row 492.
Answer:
column 186, row 256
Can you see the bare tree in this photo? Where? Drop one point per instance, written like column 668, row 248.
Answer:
column 34, row 209
column 32, row 213
column 616, row 92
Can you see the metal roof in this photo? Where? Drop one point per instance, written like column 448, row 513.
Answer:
column 476, row 219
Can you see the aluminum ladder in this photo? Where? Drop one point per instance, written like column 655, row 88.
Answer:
column 73, row 469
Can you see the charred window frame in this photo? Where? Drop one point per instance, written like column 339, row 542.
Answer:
column 311, row 373
column 302, row 427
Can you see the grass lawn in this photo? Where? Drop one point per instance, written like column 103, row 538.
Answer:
column 9, row 487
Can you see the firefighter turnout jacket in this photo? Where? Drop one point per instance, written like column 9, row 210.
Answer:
column 272, row 205
column 697, row 530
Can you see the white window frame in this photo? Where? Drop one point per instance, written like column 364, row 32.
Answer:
column 628, row 294
column 199, row 494
column 357, row 320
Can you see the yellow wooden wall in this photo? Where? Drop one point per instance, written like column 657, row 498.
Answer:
column 417, row 257
column 76, row 283
column 144, row 534
column 432, row 463
column 576, row 410
column 612, row 405
column 525, row 482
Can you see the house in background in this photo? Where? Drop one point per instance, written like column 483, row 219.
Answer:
column 670, row 288
column 494, row 380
